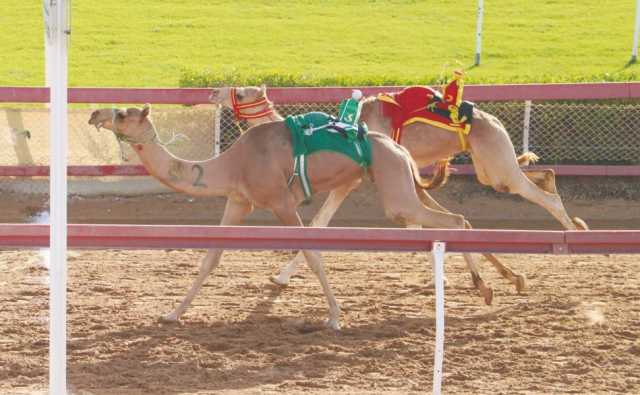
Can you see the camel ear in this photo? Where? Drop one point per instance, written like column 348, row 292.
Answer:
column 239, row 93
column 145, row 110
column 263, row 90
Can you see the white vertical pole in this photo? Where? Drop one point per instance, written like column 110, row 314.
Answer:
column 58, row 199
column 48, row 62
column 438, row 251
column 216, row 130
column 634, row 50
column 480, row 15
column 527, row 122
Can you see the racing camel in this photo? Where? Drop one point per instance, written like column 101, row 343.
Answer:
column 256, row 172
column 488, row 142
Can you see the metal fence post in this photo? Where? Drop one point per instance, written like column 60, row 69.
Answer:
column 525, row 130
column 216, row 130
column 480, row 15
column 634, row 50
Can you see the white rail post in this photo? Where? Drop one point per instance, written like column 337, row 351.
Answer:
column 527, row 122
column 57, row 30
column 634, row 50
column 480, row 15
column 438, row 251
column 48, row 62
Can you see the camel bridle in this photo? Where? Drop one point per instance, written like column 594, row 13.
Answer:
column 149, row 135
column 238, row 108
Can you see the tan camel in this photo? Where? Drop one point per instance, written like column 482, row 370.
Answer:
column 254, row 172
column 251, row 104
column 490, row 147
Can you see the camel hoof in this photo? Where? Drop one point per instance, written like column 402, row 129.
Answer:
column 520, row 283
column 333, row 324
column 279, row 282
column 169, row 319
column 488, row 296
column 580, row 224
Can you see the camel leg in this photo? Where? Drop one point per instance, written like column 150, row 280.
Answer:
column 321, row 219
column 485, row 291
column 234, row 214
column 428, row 217
column 290, row 217
column 508, row 177
column 516, row 279
column 525, row 187
column 403, row 203
column 545, row 179
column 408, row 209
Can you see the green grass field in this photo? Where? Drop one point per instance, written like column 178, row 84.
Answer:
column 196, row 42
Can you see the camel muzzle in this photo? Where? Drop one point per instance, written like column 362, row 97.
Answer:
column 94, row 120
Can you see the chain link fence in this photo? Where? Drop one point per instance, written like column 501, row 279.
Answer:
column 560, row 133
column 24, row 132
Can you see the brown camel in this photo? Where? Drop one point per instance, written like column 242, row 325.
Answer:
column 255, row 172
column 488, row 143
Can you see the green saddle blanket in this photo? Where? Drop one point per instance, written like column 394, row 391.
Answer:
column 316, row 131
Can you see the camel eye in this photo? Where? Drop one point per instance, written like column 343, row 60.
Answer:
column 239, row 95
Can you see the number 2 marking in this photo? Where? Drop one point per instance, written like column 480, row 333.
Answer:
column 200, row 172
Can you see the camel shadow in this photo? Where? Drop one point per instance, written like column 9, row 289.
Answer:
column 222, row 356
column 261, row 350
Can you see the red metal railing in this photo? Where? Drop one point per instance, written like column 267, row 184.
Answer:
column 365, row 239
column 515, row 92
column 462, row 170
column 192, row 96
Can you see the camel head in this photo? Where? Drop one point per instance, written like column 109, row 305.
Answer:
column 128, row 125
column 243, row 95
column 249, row 103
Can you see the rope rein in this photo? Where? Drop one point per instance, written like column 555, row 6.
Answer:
column 152, row 138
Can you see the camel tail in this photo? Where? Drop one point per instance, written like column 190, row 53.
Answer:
column 528, row 158
column 439, row 178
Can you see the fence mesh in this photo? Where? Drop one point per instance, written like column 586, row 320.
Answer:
column 560, row 133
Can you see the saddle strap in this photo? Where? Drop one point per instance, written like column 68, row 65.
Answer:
column 300, row 171
column 396, row 135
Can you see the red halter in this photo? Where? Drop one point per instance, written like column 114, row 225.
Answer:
column 237, row 108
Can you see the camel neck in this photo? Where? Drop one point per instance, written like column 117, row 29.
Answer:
column 212, row 177
column 371, row 114
column 274, row 116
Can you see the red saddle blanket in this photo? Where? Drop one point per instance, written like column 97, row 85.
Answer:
column 420, row 104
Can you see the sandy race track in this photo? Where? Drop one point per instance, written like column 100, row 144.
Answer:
column 574, row 330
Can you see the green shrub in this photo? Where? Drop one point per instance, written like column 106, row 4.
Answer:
column 198, row 79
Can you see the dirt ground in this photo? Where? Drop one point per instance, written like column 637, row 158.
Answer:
column 604, row 202
column 575, row 329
